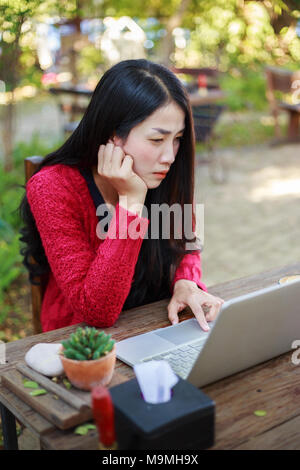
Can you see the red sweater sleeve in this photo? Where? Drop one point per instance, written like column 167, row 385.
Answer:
column 95, row 284
column 190, row 268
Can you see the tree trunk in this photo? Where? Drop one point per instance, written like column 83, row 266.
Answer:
column 8, row 131
column 285, row 18
column 167, row 44
column 11, row 53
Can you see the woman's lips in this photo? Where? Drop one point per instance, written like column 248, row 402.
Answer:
column 161, row 175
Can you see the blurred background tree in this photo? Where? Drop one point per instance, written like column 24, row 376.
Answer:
column 227, row 33
column 18, row 59
column 236, row 36
column 19, row 64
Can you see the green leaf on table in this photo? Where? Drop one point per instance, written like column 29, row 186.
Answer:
column 30, row 384
column 39, row 391
column 260, row 413
column 84, row 429
column 67, row 384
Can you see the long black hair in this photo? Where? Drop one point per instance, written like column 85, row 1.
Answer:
column 126, row 95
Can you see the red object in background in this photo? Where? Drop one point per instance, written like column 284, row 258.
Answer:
column 49, row 78
column 103, row 412
column 202, row 81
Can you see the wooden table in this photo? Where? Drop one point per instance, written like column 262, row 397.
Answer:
column 294, row 119
column 196, row 98
column 207, row 97
column 273, row 386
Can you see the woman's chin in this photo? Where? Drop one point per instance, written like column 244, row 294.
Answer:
column 152, row 184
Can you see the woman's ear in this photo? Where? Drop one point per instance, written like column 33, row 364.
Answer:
column 117, row 141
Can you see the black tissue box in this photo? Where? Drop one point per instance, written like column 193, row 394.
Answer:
column 187, row 421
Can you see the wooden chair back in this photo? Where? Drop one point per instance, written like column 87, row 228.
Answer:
column 279, row 80
column 38, row 288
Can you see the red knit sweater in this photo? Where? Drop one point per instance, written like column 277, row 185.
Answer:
column 90, row 278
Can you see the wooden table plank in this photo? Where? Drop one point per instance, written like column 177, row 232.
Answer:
column 211, row 97
column 285, row 436
column 68, row 440
column 271, row 386
column 24, row 413
column 58, row 389
column 53, row 406
column 53, row 409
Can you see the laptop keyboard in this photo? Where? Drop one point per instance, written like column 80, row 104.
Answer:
column 181, row 358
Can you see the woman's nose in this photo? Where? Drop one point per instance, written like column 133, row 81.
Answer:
column 168, row 156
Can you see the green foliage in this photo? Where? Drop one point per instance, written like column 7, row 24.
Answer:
column 244, row 88
column 87, row 344
column 19, row 64
column 83, row 429
column 239, row 133
column 240, row 129
column 10, row 258
column 35, row 146
column 11, row 195
column 12, row 191
column 10, row 268
column 89, row 60
column 228, row 33
column 30, row 383
column 39, row 391
column 13, row 18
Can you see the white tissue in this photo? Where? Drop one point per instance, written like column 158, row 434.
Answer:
column 44, row 358
column 156, row 380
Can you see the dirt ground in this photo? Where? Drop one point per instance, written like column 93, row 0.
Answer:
column 252, row 222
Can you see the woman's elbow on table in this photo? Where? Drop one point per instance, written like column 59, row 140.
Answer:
column 99, row 318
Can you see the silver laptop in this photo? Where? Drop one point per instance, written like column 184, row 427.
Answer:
column 249, row 329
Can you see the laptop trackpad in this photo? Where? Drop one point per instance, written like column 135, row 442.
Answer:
column 181, row 333
column 133, row 349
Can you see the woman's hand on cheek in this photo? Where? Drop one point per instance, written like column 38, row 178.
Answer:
column 204, row 306
column 115, row 166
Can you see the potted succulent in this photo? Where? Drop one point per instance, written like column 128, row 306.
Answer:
column 88, row 358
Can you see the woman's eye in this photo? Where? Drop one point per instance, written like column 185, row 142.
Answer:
column 160, row 140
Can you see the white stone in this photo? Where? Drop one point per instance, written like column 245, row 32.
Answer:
column 44, row 358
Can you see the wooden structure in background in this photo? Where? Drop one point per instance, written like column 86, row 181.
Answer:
column 288, row 83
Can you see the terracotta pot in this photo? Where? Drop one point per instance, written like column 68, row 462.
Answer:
column 87, row 374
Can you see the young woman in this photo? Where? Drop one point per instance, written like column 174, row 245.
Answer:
column 133, row 149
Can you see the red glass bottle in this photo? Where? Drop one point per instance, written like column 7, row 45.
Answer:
column 103, row 412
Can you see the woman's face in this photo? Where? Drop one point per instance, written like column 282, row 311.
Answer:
column 154, row 143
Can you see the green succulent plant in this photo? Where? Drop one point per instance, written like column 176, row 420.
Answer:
column 87, row 344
